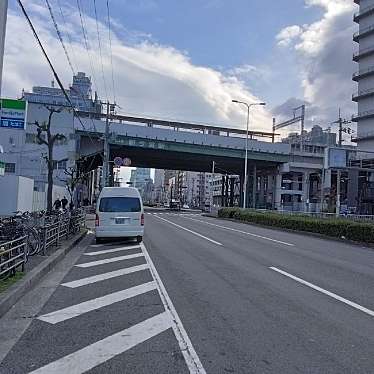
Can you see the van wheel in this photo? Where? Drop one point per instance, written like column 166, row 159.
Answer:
column 139, row 239
column 99, row 240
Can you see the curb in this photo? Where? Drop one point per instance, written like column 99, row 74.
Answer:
column 16, row 291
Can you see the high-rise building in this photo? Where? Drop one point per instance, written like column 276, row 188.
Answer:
column 141, row 179
column 80, row 94
column 364, row 75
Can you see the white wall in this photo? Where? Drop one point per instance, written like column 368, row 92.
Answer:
column 16, row 193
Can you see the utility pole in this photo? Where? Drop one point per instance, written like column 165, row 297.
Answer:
column 3, row 17
column 347, row 130
column 105, row 175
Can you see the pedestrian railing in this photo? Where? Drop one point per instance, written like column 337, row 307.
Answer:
column 13, row 254
column 31, row 236
column 354, row 217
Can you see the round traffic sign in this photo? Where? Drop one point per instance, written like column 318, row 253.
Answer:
column 126, row 161
column 118, row 161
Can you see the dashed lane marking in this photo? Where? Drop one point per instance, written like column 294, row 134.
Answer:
column 102, row 277
column 190, row 231
column 108, row 260
column 328, row 293
column 100, row 302
column 105, row 349
column 242, row 232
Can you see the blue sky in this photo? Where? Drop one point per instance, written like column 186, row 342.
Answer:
column 187, row 59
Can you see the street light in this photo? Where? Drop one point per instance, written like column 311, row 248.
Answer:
column 246, row 148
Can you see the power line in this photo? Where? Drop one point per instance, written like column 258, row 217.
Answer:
column 60, row 36
column 101, row 55
column 70, row 40
column 51, row 67
column 86, row 44
column 111, row 51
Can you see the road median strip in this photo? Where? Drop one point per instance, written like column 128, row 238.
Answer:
column 332, row 227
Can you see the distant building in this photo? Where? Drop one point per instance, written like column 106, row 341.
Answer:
column 314, row 141
column 80, row 94
column 141, row 179
column 159, row 186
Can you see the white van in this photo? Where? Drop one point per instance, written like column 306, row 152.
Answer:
column 119, row 214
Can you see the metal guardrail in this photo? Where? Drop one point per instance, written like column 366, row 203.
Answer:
column 13, row 254
column 65, row 226
column 52, row 229
column 353, row 217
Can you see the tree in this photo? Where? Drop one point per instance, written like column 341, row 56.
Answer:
column 45, row 137
column 73, row 180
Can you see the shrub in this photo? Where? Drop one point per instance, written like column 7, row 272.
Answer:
column 335, row 227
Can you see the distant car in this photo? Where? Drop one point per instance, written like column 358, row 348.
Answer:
column 186, row 206
column 166, row 205
column 175, row 205
column 119, row 214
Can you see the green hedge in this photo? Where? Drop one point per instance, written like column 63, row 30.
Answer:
column 338, row 228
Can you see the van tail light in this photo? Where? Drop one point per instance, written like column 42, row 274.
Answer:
column 97, row 220
column 142, row 219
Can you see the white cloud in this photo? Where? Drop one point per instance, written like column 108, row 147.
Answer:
column 288, row 34
column 150, row 78
column 323, row 51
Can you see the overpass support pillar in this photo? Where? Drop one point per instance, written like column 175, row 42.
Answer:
column 278, row 191
column 306, row 188
column 254, row 186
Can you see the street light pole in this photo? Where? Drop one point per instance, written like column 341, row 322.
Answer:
column 246, row 149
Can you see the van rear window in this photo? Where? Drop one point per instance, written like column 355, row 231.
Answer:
column 119, row 204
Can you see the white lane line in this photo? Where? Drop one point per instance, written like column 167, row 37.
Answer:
column 192, row 359
column 190, row 231
column 100, row 302
column 97, row 353
column 108, row 260
column 328, row 293
column 243, row 232
column 102, row 277
column 104, row 251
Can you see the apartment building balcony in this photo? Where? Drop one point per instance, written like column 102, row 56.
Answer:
column 363, row 53
column 362, row 94
column 363, row 12
column 362, row 73
column 363, row 115
column 362, row 33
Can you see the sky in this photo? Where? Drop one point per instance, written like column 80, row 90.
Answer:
column 188, row 59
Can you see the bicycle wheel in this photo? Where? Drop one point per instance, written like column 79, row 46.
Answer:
column 33, row 241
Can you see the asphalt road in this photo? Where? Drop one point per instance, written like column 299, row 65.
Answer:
column 201, row 295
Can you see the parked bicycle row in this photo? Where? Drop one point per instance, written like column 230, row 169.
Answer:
column 27, row 234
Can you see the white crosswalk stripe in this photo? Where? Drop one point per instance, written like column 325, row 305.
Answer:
column 108, row 260
column 100, row 302
column 105, row 276
column 113, row 250
column 105, row 349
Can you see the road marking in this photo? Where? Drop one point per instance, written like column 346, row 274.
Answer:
column 101, row 277
column 105, row 349
column 190, row 231
column 100, row 302
column 96, row 245
column 108, row 260
column 190, row 356
column 242, row 232
column 104, row 251
column 328, row 293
